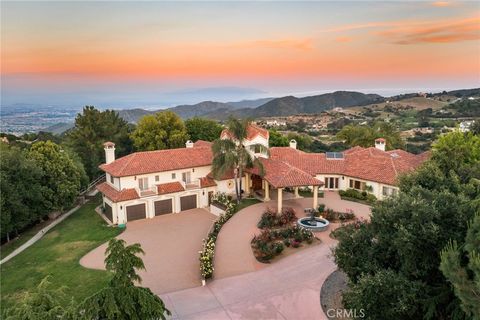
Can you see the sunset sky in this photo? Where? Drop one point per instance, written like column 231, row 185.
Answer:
column 160, row 52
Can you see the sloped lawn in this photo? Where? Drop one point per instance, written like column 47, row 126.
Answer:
column 57, row 254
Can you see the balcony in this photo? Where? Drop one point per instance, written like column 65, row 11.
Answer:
column 193, row 184
column 151, row 191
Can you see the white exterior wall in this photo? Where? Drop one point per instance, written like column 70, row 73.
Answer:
column 257, row 140
column 344, row 184
column 164, row 177
column 228, row 186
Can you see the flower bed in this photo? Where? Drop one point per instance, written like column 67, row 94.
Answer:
column 279, row 232
column 208, row 253
column 334, row 216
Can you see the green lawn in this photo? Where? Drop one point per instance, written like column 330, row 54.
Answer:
column 247, row 202
column 57, row 254
column 8, row 248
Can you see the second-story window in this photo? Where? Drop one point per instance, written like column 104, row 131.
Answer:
column 186, row 177
column 143, row 183
column 157, row 178
column 112, row 180
column 174, row 176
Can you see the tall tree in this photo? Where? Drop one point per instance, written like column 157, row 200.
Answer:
column 364, row 136
column 465, row 279
column 277, row 139
column 122, row 300
column 92, row 128
column 203, row 129
column 21, row 192
column 61, row 176
column 407, row 233
column 231, row 154
column 163, row 130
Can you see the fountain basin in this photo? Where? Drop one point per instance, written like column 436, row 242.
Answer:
column 315, row 225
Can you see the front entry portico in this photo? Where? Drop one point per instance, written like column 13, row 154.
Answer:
column 262, row 189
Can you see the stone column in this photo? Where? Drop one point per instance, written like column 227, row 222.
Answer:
column 247, row 183
column 296, row 193
column 315, row 197
column 279, row 199
column 267, row 191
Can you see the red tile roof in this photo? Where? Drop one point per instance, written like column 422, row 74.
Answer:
column 229, row 174
column 364, row 163
column 202, row 143
column 158, row 161
column 115, row 195
column 281, row 174
column 170, row 187
column 252, row 132
column 206, row 182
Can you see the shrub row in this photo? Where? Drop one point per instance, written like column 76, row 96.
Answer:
column 355, row 194
column 208, row 253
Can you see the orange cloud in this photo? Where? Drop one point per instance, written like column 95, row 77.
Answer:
column 442, row 4
column 297, row 44
column 434, row 32
column 343, row 39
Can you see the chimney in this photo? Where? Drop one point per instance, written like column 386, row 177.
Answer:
column 293, row 144
column 380, row 144
column 189, row 144
column 109, row 148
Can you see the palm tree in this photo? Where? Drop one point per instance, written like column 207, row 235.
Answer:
column 231, row 154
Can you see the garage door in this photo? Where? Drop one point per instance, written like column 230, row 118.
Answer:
column 188, row 202
column 136, row 212
column 163, row 207
column 108, row 212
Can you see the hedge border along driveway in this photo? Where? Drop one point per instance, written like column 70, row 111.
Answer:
column 57, row 254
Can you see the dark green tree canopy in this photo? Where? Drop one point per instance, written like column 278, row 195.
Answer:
column 203, row 129
column 407, row 233
column 61, row 176
column 21, row 191
column 94, row 127
column 364, row 136
column 277, row 139
column 163, row 130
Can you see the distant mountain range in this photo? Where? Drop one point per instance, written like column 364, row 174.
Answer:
column 267, row 107
column 270, row 107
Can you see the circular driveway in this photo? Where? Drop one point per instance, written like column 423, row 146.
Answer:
column 171, row 243
column 233, row 253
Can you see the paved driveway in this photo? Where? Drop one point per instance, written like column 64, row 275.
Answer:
column 287, row 289
column 171, row 243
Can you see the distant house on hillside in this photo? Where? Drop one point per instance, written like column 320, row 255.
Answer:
column 147, row 184
column 465, row 125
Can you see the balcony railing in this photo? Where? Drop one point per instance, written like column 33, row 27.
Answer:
column 151, row 191
column 193, row 184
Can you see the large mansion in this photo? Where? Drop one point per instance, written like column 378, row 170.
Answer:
column 146, row 184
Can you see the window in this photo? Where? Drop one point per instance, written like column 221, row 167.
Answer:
column 387, row 191
column 331, row 183
column 112, row 180
column 157, row 178
column 143, row 183
column 174, row 176
column 186, row 177
column 356, row 184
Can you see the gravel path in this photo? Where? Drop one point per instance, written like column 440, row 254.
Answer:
column 331, row 292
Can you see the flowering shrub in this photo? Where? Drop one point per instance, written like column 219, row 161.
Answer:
column 270, row 218
column 206, row 258
column 271, row 242
column 332, row 215
column 208, row 253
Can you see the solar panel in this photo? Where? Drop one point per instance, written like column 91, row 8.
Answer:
column 334, row 155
